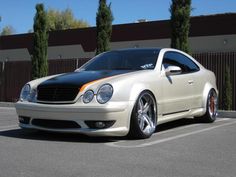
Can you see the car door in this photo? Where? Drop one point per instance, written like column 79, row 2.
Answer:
column 178, row 88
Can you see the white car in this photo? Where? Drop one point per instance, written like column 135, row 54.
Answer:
column 121, row 92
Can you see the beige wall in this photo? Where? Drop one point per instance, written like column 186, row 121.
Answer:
column 14, row 54
column 221, row 43
column 68, row 51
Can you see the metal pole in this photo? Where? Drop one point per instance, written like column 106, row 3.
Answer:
column 2, row 75
column 77, row 63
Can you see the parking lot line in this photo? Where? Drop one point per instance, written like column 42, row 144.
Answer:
column 8, row 127
column 7, row 108
column 184, row 127
column 115, row 144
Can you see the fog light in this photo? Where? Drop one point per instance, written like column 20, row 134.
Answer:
column 24, row 120
column 100, row 124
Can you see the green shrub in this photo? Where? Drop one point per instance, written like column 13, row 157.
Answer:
column 227, row 92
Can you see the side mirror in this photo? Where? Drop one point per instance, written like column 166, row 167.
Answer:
column 173, row 70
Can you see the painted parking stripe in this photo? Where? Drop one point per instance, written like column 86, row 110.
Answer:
column 8, row 127
column 166, row 131
column 115, row 144
column 185, row 127
column 7, row 108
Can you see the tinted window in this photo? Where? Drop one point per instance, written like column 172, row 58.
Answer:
column 124, row 60
column 180, row 60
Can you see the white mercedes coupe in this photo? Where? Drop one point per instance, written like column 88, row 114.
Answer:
column 119, row 93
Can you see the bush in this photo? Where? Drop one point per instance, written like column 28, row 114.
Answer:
column 227, row 92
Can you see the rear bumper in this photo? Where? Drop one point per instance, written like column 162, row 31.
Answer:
column 119, row 112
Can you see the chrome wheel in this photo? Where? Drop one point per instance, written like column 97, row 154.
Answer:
column 212, row 104
column 144, row 116
column 211, row 108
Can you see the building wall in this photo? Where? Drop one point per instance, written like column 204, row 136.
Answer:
column 68, row 51
column 14, row 54
column 201, row 44
column 221, row 43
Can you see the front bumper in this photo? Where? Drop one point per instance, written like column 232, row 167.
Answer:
column 119, row 112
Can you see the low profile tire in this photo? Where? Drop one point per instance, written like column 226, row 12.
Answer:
column 211, row 107
column 144, row 116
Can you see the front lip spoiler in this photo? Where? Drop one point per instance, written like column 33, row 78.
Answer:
column 119, row 131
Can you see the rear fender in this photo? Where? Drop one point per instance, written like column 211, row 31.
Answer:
column 206, row 90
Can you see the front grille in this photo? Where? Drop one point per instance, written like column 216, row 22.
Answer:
column 56, row 124
column 56, row 94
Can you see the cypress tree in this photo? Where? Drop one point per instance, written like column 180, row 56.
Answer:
column 39, row 59
column 180, row 24
column 227, row 92
column 104, row 20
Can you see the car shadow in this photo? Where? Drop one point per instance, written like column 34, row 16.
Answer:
column 173, row 124
column 52, row 136
column 80, row 138
column 176, row 123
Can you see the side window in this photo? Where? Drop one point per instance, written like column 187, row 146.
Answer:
column 180, row 60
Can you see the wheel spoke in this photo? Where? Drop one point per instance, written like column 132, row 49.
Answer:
column 149, row 124
column 141, row 122
column 212, row 104
column 147, row 106
column 140, row 103
column 148, row 120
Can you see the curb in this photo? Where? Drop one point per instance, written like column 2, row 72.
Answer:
column 7, row 104
column 227, row 114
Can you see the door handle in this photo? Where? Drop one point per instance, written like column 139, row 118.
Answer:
column 190, row 82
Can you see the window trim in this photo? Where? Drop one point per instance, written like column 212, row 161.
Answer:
column 198, row 68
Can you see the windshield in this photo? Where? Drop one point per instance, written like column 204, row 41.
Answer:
column 123, row 60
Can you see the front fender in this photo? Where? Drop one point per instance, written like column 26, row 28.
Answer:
column 136, row 90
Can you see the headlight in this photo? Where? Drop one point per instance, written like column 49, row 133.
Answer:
column 25, row 93
column 33, row 95
column 104, row 93
column 28, row 94
column 88, row 96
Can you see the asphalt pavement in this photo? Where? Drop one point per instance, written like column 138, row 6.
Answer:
column 183, row 148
